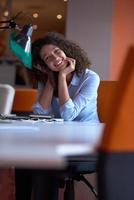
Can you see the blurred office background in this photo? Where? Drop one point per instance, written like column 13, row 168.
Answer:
column 104, row 28
column 46, row 15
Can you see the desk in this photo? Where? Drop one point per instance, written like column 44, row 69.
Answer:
column 46, row 144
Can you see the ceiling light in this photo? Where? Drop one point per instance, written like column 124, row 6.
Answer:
column 35, row 15
column 59, row 16
column 6, row 13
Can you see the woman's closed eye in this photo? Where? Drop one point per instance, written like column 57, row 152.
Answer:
column 48, row 58
column 57, row 51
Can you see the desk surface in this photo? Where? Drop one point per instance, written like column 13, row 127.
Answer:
column 46, row 144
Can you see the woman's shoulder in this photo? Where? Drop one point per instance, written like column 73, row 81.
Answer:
column 90, row 74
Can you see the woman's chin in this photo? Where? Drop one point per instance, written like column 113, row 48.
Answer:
column 61, row 68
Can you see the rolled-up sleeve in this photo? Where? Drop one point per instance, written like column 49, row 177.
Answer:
column 66, row 109
column 37, row 109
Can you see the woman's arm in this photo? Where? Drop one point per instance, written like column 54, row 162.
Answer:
column 63, row 89
column 46, row 96
column 62, row 81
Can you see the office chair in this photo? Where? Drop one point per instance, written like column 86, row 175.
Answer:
column 79, row 166
column 116, row 155
column 23, row 100
column 6, row 98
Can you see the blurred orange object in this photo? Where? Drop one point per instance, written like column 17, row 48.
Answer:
column 24, row 99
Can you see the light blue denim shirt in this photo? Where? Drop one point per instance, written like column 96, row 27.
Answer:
column 82, row 105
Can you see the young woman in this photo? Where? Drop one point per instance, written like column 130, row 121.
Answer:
column 67, row 88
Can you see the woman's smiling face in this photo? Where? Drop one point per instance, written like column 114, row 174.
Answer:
column 54, row 57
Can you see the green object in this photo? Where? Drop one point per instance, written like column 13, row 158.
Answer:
column 23, row 56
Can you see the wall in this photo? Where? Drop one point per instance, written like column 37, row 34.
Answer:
column 104, row 29
column 89, row 22
column 122, row 34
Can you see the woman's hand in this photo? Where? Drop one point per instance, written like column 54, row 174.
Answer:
column 69, row 68
column 64, row 78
